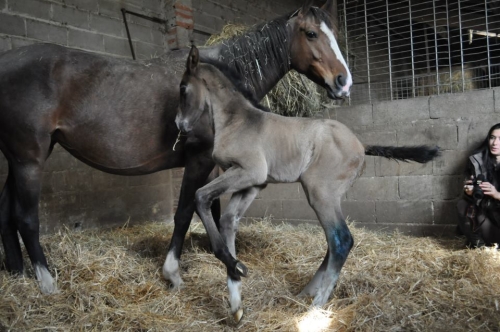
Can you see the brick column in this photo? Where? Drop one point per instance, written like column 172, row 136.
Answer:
column 180, row 26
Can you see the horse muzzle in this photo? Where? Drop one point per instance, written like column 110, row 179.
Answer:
column 341, row 87
column 183, row 125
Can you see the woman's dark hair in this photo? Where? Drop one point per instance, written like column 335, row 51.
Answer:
column 493, row 176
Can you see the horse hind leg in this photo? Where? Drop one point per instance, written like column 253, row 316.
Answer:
column 8, row 231
column 339, row 240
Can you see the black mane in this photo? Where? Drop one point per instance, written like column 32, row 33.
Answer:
column 237, row 81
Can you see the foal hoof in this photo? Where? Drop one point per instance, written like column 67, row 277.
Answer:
column 238, row 315
column 241, row 270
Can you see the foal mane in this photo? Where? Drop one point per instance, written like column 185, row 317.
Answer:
column 237, row 81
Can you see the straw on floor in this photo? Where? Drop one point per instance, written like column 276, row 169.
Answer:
column 111, row 281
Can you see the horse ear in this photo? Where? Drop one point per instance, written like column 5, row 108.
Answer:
column 305, row 8
column 193, row 59
column 329, row 6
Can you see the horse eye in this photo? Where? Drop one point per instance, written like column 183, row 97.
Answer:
column 183, row 89
column 311, row 34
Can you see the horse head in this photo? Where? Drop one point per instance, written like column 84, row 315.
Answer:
column 193, row 94
column 315, row 51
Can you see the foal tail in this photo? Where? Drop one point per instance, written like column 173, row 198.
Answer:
column 420, row 154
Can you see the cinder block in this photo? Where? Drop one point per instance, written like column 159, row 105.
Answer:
column 149, row 179
column 374, row 189
column 387, row 167
column 298, row 210
column 496, row 98
column 155, row 6
column 463, row 129
column 47, row 32
column 406, row 212
column 61, row 160
column 360, row 115
column 263, row 208
column 105, row 181
column 158, row 37
column 117, row 46
column 34, row 8
column 359, row 211
column 401, row 110
column 369, row 168
column 445, row 213
column 21, row 42
column 107, row 25
column 112, row 8
column 86, row 5
column 85, row 40
column 451, row 162
column 12, row 25
column 70, row 16
column 4, row 44
column 3, row 4
column 140, row 33
column 424, row 133
column 414, row 188
column 447, row 187
column 145, row 51
column 281, row 191
column 453, row 106
column 377, row 137
column 207, row 23
column 478, row 129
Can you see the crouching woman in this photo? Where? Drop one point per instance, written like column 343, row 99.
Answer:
column 479, row 207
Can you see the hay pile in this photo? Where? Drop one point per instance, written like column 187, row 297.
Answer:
column 111, row 281
column 294, row 95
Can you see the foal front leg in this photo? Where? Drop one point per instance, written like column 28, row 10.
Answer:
column 229, row 222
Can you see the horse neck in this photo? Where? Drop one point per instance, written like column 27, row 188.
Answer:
column 260, row 56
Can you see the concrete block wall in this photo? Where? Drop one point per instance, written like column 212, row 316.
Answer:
column 93, row 25
column 417, row 199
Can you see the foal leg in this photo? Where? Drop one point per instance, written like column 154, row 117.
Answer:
column 8, row 231
column 339, row 240
column 235, row 209
column 198, row 167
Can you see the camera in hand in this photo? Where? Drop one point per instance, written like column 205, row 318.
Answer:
column 477, row 192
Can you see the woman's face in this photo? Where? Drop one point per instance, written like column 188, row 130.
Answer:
column 495, row 142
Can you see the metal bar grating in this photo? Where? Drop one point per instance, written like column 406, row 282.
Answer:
column 413, row 48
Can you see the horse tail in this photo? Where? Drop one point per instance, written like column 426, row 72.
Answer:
column 420, row 154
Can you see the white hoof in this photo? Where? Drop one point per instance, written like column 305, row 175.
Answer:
column 46, row 283
column 171, row 271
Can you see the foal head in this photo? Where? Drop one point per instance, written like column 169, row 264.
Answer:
column 205, row 84
column 315, row 51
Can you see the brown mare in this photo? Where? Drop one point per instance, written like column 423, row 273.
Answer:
column 255, row 147
column 119, row 117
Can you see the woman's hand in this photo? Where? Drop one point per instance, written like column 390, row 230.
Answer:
column 489, row 190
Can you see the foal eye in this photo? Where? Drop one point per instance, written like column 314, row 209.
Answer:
column 311, row 34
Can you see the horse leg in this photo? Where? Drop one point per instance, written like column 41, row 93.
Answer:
column 229, row 222
column 8, row 231
column 197, row 169
column 26, row 195
column 338, row 237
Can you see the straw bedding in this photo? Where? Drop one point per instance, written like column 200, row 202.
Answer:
column 110, row 280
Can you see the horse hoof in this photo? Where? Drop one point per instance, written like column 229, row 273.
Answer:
column 241, row 269
column 238, row 315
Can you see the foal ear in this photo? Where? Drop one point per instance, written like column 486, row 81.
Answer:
column 305, row 8
column 329, row 7
column 193, row 59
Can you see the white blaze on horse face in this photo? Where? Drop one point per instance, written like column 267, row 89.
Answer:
column 336, row 49
column 171, row 270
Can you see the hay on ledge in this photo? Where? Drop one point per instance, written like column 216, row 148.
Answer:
column 111, row 281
